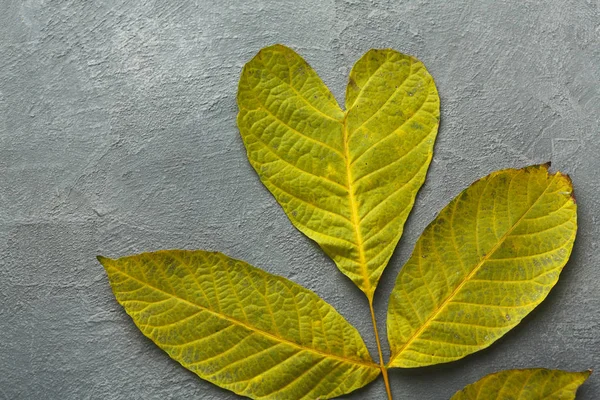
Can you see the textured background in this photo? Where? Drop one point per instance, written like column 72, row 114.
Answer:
column 118, row 135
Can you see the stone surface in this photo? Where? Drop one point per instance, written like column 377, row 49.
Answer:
column 118, row 135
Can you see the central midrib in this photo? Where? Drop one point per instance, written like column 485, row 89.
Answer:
column 469, row 276
column 362, row 262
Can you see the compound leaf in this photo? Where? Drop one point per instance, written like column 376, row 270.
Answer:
column 488, row 259
column 241, row 328
column 347, row 180
column 525, row 384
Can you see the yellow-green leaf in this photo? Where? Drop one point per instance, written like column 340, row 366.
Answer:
column 346, row 179
column 525, row 384
column 257, row 334
column 483, row 264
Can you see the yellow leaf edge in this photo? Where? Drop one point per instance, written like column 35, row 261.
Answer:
column 578, row 379
column 107, row 262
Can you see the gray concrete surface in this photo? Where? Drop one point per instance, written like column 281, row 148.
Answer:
column 118, row 135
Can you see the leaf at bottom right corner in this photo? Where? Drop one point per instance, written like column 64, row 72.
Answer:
column 525, row 384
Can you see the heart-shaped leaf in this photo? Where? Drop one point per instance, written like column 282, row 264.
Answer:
column 347, row 180
column 525, row 384
column 257, row 334
column 483, row 264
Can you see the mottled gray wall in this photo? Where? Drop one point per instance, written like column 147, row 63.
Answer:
column 118, row 135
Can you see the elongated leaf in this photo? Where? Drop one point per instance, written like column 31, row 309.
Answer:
column 248, row 331
column 483, row 264
column 525, row 384
column 347, row 180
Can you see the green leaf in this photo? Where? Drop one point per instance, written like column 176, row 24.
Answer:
column 248, row 331
column 488, row 259
column 347, row 180
column 525, row 384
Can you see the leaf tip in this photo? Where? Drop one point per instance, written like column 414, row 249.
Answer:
column 102, row 259
column 568, row 178
column 277, row 47
column 562, row 176
column 584, row 375
column 569, row 183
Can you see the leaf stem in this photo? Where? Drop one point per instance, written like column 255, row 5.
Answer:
column 382, row 366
